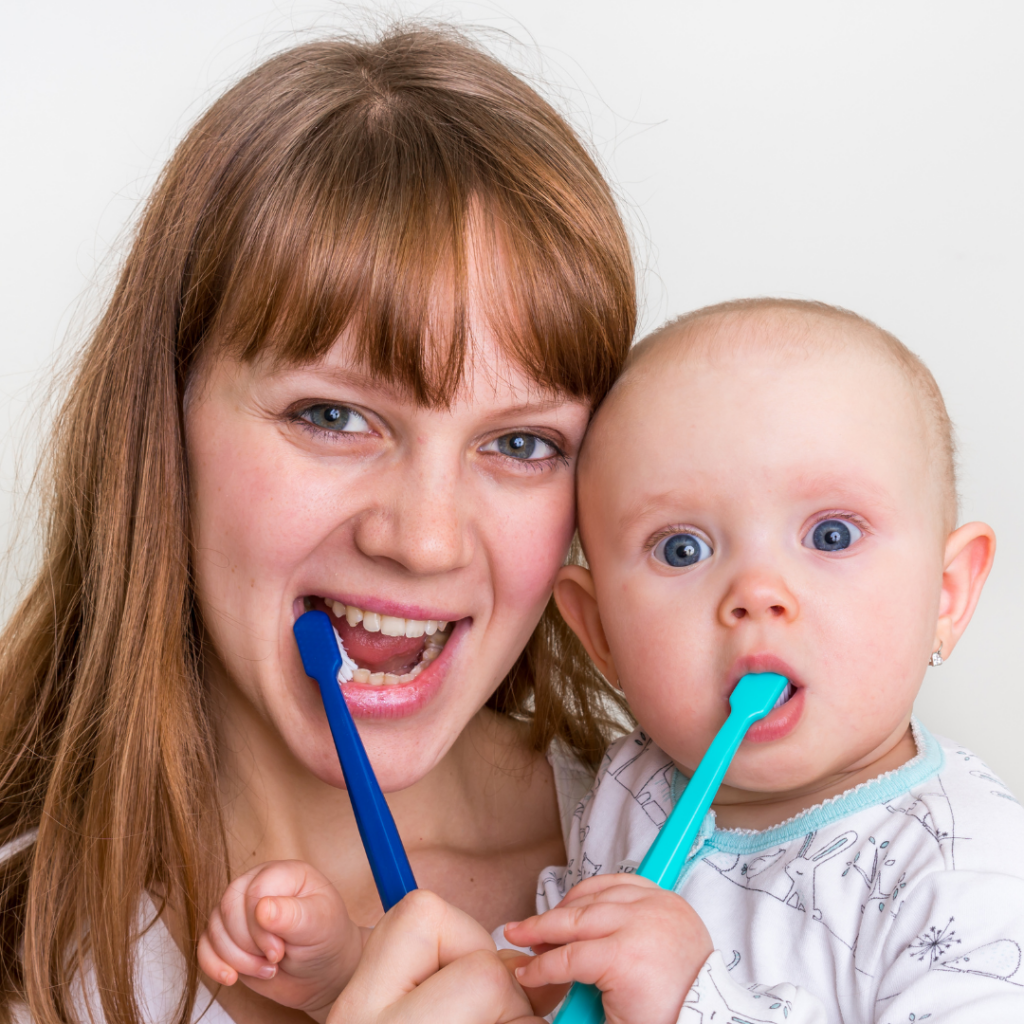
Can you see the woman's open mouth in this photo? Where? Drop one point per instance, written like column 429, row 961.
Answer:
column 383, row 650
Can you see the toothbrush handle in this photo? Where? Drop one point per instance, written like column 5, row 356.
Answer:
column 666, row 856
column 664, row 861
column 383, row 846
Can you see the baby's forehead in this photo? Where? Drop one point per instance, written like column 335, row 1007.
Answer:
column 704, row 364
column 722, row 345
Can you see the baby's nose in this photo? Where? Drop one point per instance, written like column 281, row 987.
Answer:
column 758, row 595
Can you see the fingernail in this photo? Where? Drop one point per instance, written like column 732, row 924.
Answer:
column 520, row 971
column 266, row 972
column 512, row 924
column 225, row 977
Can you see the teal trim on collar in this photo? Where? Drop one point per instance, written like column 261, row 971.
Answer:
column 929, row 761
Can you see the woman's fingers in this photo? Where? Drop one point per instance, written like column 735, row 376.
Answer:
column 426, row 960
column 414, row 940
column 543, row 999
column 474, row 989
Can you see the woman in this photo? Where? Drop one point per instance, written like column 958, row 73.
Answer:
column 348, row 364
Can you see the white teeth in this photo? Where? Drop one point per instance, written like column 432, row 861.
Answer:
column 435, row 631
column 389, row 625
column 784, row 696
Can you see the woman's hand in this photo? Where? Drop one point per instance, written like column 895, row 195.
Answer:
column 283, row 929
column 641, row 945
column 428, row 961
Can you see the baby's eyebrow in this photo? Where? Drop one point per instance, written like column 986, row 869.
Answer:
column 844, row 490
column 638, row 510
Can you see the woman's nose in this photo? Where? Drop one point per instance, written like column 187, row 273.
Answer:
column 758, row 594
column 419, row 521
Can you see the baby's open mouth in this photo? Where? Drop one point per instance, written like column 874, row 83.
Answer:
column 787, row 692
column 383, row 650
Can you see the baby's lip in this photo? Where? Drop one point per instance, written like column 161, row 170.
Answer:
column 761, row 662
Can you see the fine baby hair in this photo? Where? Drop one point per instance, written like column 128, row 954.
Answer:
column 367, row 186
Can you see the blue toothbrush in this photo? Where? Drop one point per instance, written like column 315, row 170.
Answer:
column 388, row 862
column 754, row 697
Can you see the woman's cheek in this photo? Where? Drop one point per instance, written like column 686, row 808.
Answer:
column 529, row 547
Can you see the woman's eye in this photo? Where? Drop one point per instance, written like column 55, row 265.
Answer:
column 681, row 550
column 525, row 447
column 832, row 535
column 339, row 419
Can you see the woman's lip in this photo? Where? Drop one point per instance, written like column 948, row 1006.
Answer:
column 404, row 699
column 779, row 722
column 399, row 611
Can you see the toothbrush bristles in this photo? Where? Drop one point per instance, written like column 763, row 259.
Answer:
column 784, row 696
column 348, row 666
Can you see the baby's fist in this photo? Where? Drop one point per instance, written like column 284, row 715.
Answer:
column 641, row 945
column 283, row 929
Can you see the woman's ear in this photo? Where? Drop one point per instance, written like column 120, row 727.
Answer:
column 968, row 559
column 577, row 601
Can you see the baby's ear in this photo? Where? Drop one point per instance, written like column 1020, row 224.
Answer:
column 968, row 559
column 576, row 598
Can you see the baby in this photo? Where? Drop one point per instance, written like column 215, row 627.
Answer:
column 768, row 487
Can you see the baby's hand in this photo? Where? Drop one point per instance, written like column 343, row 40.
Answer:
column 283, row 929
column 641, row 945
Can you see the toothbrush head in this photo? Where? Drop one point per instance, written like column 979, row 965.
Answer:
column 757, row 693
column 316, row 639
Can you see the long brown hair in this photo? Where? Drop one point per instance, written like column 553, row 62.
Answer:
column 330, row 189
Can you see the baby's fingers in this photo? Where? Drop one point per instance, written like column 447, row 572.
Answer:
column 223, row 959
column 567, row 924
column 299, row 921
column 212, row 965
column 589, row 962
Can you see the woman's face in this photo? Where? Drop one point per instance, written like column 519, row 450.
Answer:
column 319, row 487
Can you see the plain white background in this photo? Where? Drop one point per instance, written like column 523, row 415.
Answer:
column 864, row 154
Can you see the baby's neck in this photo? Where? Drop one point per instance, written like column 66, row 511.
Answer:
column 760, row 810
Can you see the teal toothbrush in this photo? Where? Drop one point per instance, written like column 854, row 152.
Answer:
column 754, row 697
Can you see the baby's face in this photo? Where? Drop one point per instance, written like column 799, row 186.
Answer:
column 766, row 513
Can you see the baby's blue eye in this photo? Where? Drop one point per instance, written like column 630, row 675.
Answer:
column 339, row 419
column 525, row 447
column 681, row 550
column 832, row 535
